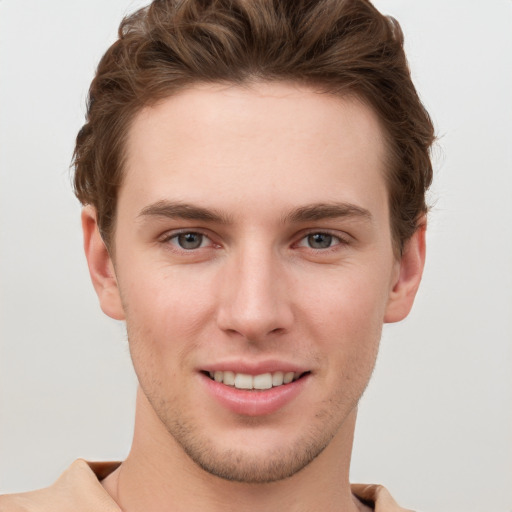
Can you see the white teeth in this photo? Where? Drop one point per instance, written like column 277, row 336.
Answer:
column 288, row 377
column 277, row 379
column 243, row 381
column 262, row 381
column 229, row 378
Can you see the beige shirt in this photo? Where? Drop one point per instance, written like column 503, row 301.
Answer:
column 79, row 490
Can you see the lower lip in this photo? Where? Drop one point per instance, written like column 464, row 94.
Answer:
column 257, row 402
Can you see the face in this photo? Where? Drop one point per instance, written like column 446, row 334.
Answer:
column 254, row 268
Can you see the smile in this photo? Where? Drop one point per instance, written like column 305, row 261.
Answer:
column 258, row 382
column 254, row 391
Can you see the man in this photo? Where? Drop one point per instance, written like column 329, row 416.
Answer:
column 253, row 177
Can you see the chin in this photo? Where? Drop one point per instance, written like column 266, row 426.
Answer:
column 256, row 453
column 239, row 465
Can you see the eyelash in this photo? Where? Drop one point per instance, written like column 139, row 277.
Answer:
column 167, row 239
column 339, row 241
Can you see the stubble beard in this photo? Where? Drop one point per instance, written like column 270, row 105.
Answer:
column 243, row 466
column 237, row 464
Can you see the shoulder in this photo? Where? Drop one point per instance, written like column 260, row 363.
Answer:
column 16, row 502
column 77, row 489
column 378, row 497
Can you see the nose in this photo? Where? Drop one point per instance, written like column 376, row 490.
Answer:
column 254, row 298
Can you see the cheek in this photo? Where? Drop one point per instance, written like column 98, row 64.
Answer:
column 346, row 322
column 351, row 299
column 163, row 291
column 165, row 311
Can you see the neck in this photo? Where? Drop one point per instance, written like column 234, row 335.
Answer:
column 158, row 474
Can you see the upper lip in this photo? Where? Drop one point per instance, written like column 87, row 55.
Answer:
column 254, row 368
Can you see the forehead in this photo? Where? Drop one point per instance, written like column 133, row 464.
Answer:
column 224, row 142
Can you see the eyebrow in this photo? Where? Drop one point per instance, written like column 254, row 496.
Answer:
column 321, row 211
column 307, row 213
column 178, row 210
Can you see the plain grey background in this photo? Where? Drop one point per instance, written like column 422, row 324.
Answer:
column 435, row 425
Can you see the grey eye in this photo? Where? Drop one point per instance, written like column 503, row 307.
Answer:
column 190, row 240
column 320, row 240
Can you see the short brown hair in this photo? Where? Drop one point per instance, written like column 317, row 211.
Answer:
column 339, row 46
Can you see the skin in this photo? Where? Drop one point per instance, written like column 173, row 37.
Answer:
column 285, row 192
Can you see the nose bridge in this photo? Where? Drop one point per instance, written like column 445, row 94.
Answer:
column 254, row 301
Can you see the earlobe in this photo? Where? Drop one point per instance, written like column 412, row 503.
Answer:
column 101, row 268
column 408, row 280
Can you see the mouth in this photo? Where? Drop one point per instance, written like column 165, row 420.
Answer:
column 261, row 382
column 258, row 391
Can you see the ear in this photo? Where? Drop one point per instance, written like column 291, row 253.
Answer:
column 101, row 267
column 408, row 277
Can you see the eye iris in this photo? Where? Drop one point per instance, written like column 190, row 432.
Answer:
column 190, row 240
column 320, row 240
